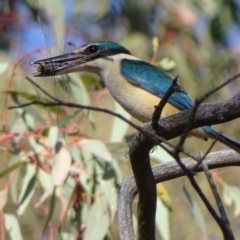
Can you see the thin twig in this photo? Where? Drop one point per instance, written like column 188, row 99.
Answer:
column 184, row 136
column 158, row 109
column 225, row 225
column 207, row 152
column 209, row 93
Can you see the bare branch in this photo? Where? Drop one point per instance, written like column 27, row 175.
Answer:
column 140, row 162
column 225, row 225
column 173, row 126
column 158, row 109
column 165, row 172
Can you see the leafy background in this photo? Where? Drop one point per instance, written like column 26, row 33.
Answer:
column 60, row 167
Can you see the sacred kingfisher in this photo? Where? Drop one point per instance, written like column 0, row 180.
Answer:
column 136, row 85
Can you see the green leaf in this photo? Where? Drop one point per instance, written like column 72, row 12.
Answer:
column 30, row 115
column 61, row 167
column 53, row 135
column 155, row 44
column 12, row 227
column 230, row 196
column 29, row 120
column 120, row 127
column 64, row 121
column 7, row 171
column 35, row 146
column 118, row 150
column 18, row 126
column 162, row 221
column 25, row 95
column 108, row 173
column 196, row 212
column 50, row 214
column 32, row 97
column 164, row 196
column 97, row 148
column 135, row 224
column 97, row 222
column 161, row 155
column 15, row 181
column 75, row 153
column 14, row 187
column 28, row 188
column 78, row 90
column 68, row 191
column 45, row 179
column 167, row 64
column 68, row 236
column 43, row 197
column 118, row 171
column 3, row 67
column 88, row 80
column 128, row 138
column 109, row 189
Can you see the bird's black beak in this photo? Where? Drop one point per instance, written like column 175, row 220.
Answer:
column 64, row 63
column 58, row 65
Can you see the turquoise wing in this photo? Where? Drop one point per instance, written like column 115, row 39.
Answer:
column 153, row 80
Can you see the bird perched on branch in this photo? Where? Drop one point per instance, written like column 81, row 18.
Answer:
column 136, row 85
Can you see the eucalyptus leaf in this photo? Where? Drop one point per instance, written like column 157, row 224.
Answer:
column 17, row 95
column 162, row 221
column 18, row 127
column 68, row 236
column 27, row 189
column 50, row 214
column 10, row 169
column 97, row 222
column 45, row 180
column 109, row 189
column 161, row 155
column 12, row 227
column 53, row 135
column 119, row 127
column 231, row 196
column 196, row 212
column 3, row 67
column 97, row 148
column 61, row 167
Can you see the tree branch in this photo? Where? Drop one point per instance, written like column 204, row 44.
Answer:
column 140, row 162
column 164, row 172
column 207, row 114
column 225, row 224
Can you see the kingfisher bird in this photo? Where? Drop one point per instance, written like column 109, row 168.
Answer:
column 136, row 85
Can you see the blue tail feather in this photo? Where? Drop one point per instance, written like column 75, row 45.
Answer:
column 212, row 133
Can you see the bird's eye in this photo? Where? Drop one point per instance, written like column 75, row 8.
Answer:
column 92, row 49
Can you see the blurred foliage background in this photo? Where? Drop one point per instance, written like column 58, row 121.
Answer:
column 68, row 189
